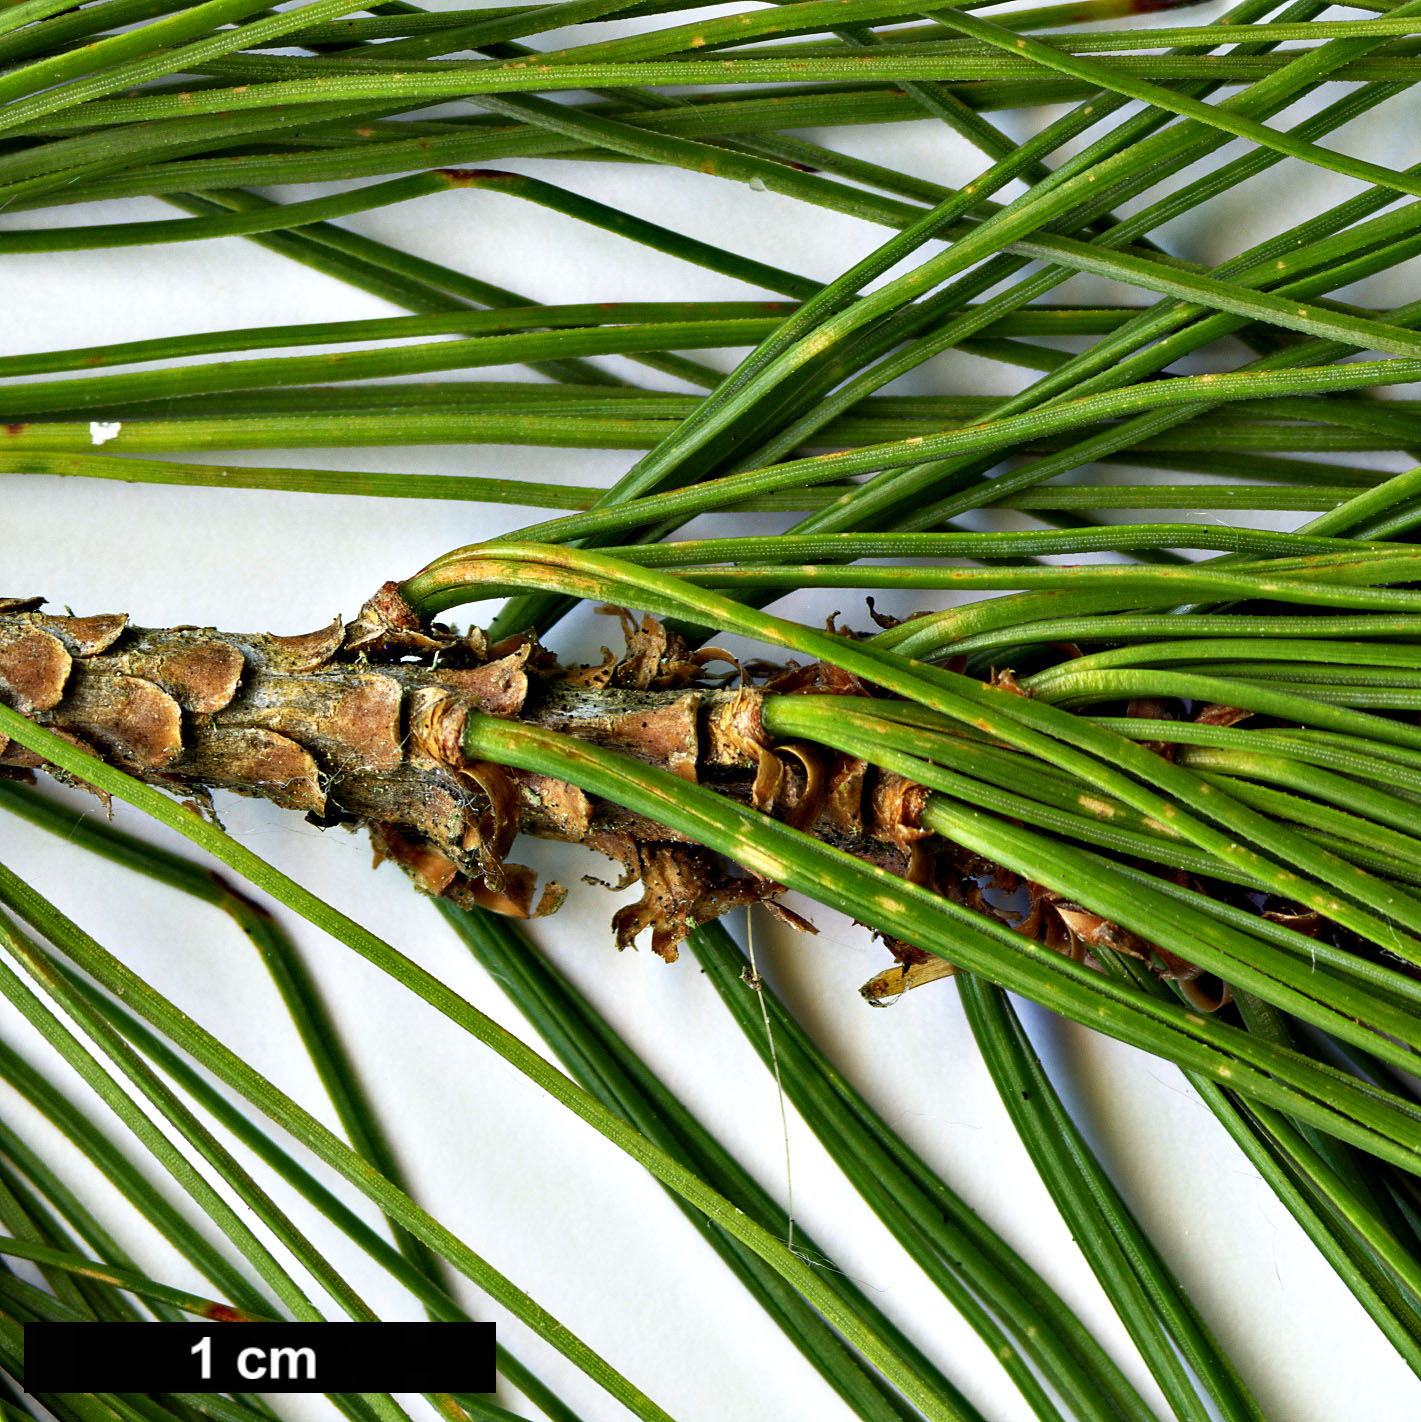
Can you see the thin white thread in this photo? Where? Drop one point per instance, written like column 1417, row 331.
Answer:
column 759, row 988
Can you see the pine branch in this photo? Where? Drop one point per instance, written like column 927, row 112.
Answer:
column 357, row 724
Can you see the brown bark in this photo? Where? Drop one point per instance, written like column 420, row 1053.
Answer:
column 357, row 724
column 341, row 725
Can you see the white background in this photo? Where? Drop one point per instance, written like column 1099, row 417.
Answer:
column 539, row 1194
